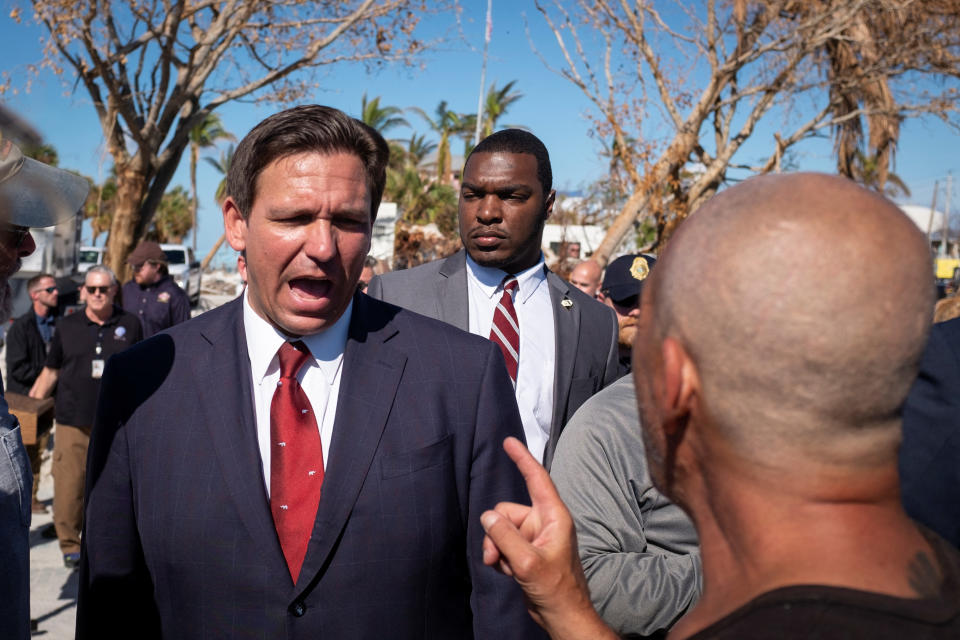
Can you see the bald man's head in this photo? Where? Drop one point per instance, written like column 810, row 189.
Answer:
column 586, row 277
column 804, row 302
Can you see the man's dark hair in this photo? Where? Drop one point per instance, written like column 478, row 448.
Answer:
column 304, row 129
column 519, row 141
column 33, row 283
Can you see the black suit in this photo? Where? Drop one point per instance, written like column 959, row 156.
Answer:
column 930, row 452
column 179, row 534
column 26, row 353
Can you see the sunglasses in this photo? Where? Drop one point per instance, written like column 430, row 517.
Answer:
column 18, row 232
column 93, row 290
column 51, row 289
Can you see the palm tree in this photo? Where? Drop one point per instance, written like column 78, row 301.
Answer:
column 496, row 105
column 446, row 123
column 381, row 118
column 222, row 165
column 173, row 218
column 204, row 135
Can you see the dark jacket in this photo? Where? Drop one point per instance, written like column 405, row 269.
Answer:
column 930, row 451
column 179, row 539
column 26, row 353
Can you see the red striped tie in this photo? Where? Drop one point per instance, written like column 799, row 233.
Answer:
column 505, row 330
column 296, row 459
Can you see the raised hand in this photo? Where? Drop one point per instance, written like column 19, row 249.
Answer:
column 537, row 545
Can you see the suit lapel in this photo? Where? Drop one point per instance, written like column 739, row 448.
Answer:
column 452, row 303
column 368, row 385
column 567, row 322
column 227, row 410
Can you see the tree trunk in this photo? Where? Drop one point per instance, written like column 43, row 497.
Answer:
column 194, row 153
column 213, row 252
column 131, row 188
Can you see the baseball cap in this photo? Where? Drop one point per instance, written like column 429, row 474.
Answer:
column 34, row 194
column 624, row 276
column 147, row 250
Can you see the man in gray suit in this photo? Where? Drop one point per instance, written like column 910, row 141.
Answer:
column 32, row 194
column 559, row 344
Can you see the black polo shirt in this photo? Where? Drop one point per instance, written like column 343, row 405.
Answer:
column 73, row 350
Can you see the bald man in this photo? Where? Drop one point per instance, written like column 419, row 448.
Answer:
column 774, row 422
column 586, row 277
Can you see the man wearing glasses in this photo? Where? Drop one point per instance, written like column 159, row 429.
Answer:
column 620, row 291
column 32, row 194
column 152, row 295
column 28, row 341
column 81, row 346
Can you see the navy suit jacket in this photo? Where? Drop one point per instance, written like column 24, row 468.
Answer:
column 930, row 451
column 179, row 541
column 586, row 330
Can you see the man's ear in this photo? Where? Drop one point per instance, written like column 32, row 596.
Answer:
column 548, row 204
column 234, row 225
column 681, row 386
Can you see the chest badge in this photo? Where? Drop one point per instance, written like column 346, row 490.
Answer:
column 163, row 297
column 119, row 333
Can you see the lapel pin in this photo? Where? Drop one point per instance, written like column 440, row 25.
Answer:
column 566, row 303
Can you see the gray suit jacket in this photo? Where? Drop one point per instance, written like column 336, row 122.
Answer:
column 638, row 549
column 586, row 331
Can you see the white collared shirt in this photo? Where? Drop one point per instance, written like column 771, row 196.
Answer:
column 537, row 367
column 319, row 377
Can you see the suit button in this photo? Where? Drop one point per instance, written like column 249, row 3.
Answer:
column 298, row 609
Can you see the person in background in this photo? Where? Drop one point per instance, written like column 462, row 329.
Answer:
column 638, row 549
column 776, row 432
column 369, row 270
column 28, row 340
column 81, row 345
column 622, row 284
column 32, row 194
column 586, row 277
column 558, row 343
column 152, row 295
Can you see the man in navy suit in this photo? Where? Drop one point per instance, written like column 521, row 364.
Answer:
column 930, row 451
column 304, row 461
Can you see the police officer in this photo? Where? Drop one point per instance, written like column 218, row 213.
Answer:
column 620, row 291
column 81, row 346
column 152, row 295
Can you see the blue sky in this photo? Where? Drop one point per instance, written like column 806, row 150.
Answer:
column 551, row 106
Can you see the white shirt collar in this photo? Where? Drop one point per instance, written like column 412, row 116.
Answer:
column 264, row 340
column 490, row 279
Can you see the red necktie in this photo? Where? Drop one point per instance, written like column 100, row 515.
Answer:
column 505, row 330
column 296, row 459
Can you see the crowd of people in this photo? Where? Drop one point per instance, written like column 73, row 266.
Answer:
column 723, row 441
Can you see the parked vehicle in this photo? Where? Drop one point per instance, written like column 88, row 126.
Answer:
column 89, row 256
column 184, row 268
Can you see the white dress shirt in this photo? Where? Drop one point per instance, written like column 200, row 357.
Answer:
column 319, row 376
column 537, row 367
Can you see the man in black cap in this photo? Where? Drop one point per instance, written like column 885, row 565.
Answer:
column 622, row 283
column 152, row 295
column 32, row 194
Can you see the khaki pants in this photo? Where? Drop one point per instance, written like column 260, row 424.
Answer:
column 35, row 453
column 69, row 466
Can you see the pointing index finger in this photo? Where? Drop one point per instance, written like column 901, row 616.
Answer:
column 539, row 485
